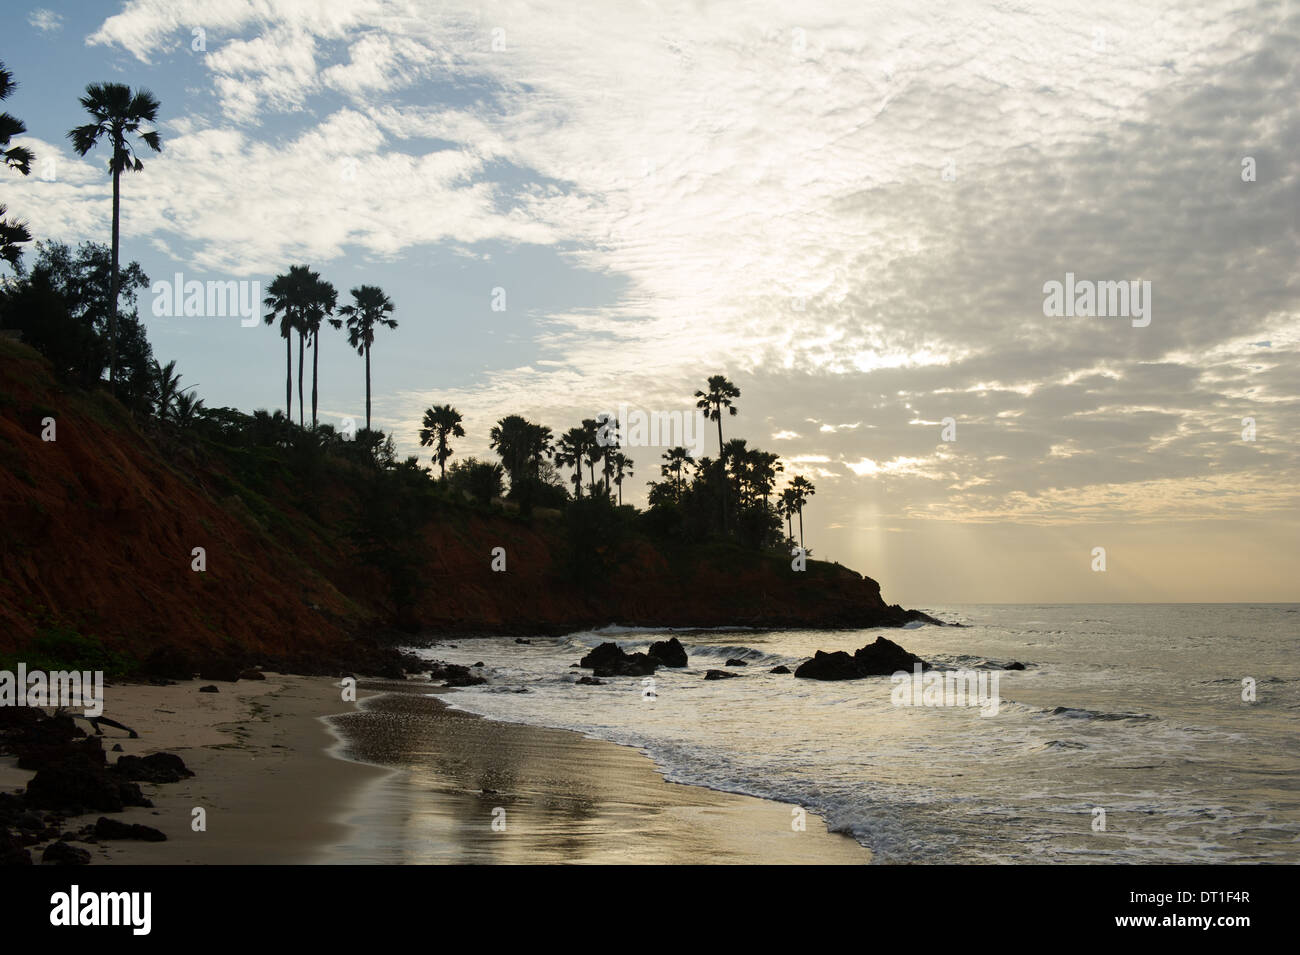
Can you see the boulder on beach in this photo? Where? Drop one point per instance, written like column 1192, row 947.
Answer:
column 735, row 662
column 61, row 853
column 154, row 768
column 609, row 659
column 81, row 783
column 589, row 681
column 1014, row 665
column 718, row 675
column 875, row 659
column 779, row 669
column 107, row 828
column 669, row 653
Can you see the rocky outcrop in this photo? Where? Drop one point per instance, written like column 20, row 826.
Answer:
column 875, row 659
column 609, row 659
column 669, row 653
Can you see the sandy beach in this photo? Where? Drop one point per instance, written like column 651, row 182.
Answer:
column 288, row 773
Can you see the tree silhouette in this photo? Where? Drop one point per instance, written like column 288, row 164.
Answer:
column 802, row 489
column 118, row 114
column 369, row 311
column 289, row 298
column 12, row 234
column 323, row 298
column 440, row 423
column 711, row 402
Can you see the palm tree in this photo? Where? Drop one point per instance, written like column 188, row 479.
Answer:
column 521, row 444
column 288, row 298
column 15, row 157
column 165, row 388
column 622, row 468
column 719, row 396
column 187, row 408
column 711, row 402
column 369, row 310
column 802, row 489
column 677, row 462
column 440, row 423
column 593, row 449
column 12, row 234
column 786, row 506
column 324, row 297
column 608, row 440
column 570, row 452
column 118, row 114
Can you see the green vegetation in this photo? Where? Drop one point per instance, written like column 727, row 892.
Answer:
column 61, row 648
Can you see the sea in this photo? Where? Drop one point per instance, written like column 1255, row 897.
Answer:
column 1136, row 733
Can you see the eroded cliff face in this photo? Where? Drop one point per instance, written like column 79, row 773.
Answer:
column 98, row 531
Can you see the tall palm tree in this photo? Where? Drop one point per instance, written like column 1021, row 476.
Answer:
column 369, row 310
column 289, row 299
column 118, row 114
column 440, row 423
column 12, row 234
column 677, row 462
column 622, row 468
column 711, row 402
column 607, row 425
column 323, row 299
column 719, row 396
column 570, row 452
column 803, row 489
column 786, row 506
column 594, row 450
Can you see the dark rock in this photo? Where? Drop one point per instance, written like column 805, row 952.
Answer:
column 81, row 783
column 736, row 663
column 12, row 851
column 62, row 853
column 107, row 828
column 522, row 640
column 479, row 665
column 252, row 675
column 875, row 659
column 719, row 675
column 589, row 681
column 609, row 659
column 30, row 820
column 154, row 768
column 208, row 689
column 454, row 674
column 1014, row 665
column 669, row 653
column 779, row 669
column 117, row 748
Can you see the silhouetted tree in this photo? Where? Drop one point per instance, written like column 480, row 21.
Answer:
column 369, row 311
column 440, row 423
column 118, row 114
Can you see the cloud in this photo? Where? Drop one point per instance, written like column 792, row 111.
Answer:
column 852, row 210
column 47, row 21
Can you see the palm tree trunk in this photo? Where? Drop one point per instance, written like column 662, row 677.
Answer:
column 801, row 527
column 367, row 387
column 288, row 378
column 301, row 346
column 722, row 460
column 113, row 280
column 315, row 370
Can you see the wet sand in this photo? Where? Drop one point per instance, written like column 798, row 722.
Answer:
column 288, row 773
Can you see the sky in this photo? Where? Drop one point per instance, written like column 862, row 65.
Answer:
column 853, row 210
